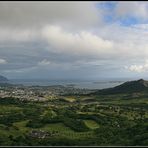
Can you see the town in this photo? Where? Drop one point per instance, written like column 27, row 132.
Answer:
column 40, row 93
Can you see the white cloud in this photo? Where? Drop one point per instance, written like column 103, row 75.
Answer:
column 44, row 62
column 113, row 42
column 3, row 61
column 129, row 42
column 109, row 42
column 80, row 43
column 138, row 68
column 17, row 35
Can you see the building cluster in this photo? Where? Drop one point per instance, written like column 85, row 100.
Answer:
column 41, row 134
column 39, row 93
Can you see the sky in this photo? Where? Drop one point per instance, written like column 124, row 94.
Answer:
column 73, row 40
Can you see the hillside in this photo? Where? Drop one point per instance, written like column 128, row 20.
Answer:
column 127, row 87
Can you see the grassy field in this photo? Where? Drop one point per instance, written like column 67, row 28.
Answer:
column 63, row 130
column 6, row 109
column 91, row 124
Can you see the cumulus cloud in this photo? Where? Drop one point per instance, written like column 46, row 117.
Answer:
column 81, row 43
column 59, row 40
column 129, row 41
column 138, row 68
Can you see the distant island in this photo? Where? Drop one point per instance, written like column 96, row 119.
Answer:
column 3, row 79
column 110, row 82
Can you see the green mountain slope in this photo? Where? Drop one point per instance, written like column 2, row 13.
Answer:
column 127, row 87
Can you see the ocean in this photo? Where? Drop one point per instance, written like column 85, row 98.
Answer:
column 76, row 83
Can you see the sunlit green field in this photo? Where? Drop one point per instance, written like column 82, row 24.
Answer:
column 91, row 124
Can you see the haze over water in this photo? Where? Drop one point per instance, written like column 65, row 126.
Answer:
column 89, row 84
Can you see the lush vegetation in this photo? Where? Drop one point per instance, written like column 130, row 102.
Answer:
column 106, row 120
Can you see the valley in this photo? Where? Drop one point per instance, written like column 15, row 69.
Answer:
column 76, row 118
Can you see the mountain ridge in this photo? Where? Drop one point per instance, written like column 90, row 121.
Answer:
column 127, row 87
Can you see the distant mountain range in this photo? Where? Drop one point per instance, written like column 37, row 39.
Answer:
column 3, row 79
column 127, row 87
